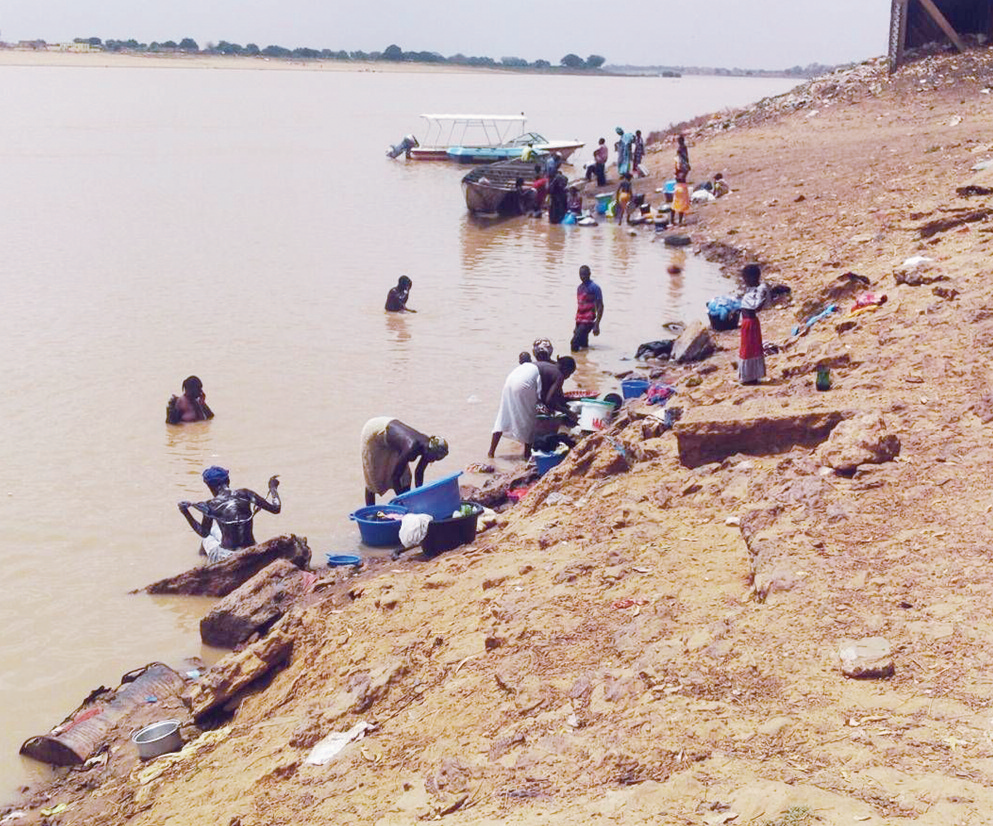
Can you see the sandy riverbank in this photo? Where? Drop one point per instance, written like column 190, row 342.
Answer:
column 624, row 652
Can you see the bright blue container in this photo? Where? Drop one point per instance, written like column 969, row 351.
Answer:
column 376, row 532
column 546, row 461
column 634, row 388
column 440, row 499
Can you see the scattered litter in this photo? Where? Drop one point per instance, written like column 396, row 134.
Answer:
column 12, row 816
column 732, row 522
column 194, row 674
column 558, row 498
column 802, row 329
column 151, row 698
column 517, row 494
column 328, row 748
column 573, row 720
column 955, row 120
column 55, row 810
column 623, row 604
column 480, row 467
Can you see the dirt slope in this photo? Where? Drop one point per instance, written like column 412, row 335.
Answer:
column 620, row 653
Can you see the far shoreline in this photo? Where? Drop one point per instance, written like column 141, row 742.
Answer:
column 20, row 57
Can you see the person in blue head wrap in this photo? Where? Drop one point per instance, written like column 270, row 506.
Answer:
column 624, row 148
column 226, row 526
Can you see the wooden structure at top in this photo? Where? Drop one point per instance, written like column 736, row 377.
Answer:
column 914, row 23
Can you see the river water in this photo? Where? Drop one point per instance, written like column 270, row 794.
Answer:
column 245, row 226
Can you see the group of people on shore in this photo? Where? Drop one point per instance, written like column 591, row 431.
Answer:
column 534, row 388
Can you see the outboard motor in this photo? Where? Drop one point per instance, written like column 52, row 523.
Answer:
column 402, row 148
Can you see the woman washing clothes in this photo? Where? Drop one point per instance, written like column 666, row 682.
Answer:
column 553, row 375
column 388, row 446
column 751, row 357
column 518, row 413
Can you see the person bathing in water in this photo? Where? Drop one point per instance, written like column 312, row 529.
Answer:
column 396, row 298
column 226, row 526
column 191, row 406
column 388, row 446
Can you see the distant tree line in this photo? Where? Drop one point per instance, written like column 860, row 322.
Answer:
column 391, row 53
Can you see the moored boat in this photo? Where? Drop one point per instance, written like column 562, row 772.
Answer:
column 478, row 139
column 493, row 188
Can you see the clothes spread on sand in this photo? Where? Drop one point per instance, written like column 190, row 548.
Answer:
column 518, row 414
column 379, row 460
column 751, row 356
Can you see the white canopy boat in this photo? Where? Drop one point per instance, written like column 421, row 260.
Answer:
column 479, row 139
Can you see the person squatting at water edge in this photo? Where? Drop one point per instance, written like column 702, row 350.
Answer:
column 388, row 446
column 751, row 356
column 227, row 517
column 589, row 310
column 598, row 168
column 191, row 406
column 396, row 298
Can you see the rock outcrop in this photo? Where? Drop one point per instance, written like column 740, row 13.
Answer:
column 863, row 440
column 221, row 578
column 256, row 605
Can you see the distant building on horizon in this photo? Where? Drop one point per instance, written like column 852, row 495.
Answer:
column 917, row 23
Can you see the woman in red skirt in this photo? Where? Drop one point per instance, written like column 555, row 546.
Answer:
column 751, row 358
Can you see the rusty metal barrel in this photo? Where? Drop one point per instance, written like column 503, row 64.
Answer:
column 75, row 739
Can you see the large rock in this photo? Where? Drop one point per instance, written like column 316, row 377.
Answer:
column 866, row 659
column 712, row 434
column 256, row 605
column 862, row 440
column 221, row 578
column 236, row 672
column 695, row 343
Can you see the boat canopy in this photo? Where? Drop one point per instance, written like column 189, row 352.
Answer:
column 472, row 130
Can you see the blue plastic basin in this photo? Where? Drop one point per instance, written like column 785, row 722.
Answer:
column 375, row 532
column 440, row 499
column 341, row 560
column 633, row 388
column 546, row 461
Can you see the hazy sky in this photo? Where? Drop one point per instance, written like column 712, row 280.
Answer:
column 757, row 34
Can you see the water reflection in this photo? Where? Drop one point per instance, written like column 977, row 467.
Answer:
column 190, row 445
column 399, row 333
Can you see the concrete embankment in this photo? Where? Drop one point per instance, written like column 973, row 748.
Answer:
column 661, row 632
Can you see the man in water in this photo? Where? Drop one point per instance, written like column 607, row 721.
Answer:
column 191, row 406
column 232, row 511
column 396, row 299
column 589, row 310
column 388, row 446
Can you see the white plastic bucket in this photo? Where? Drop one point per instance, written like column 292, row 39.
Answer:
column 595, row 415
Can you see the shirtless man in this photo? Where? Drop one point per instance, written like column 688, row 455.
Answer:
column 388, row 448
column 231, row 510
column 396, row 298
column 191, row 406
